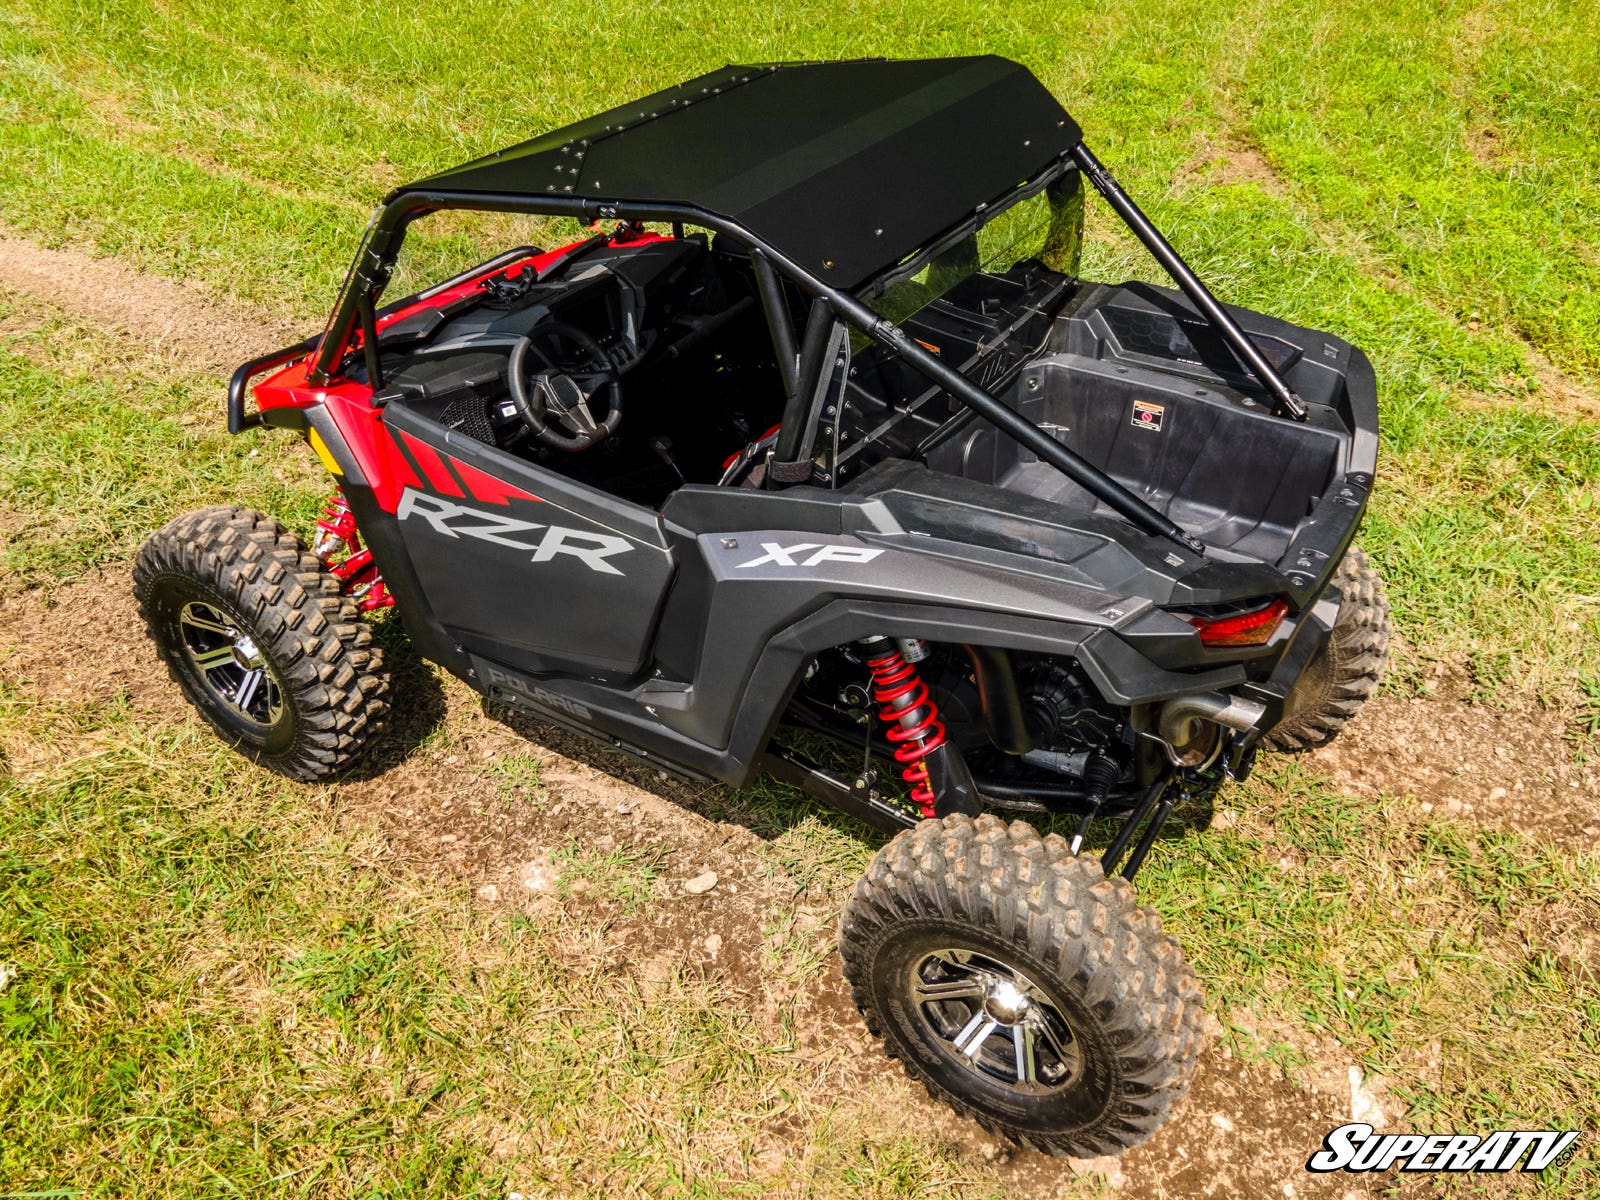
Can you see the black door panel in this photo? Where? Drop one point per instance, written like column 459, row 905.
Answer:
column 523, row 565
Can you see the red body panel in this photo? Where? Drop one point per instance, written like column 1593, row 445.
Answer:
column 388, row 467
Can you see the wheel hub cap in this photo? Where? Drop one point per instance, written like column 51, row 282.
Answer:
column 245, row 653
column 1005, row 1002
column 230, row 663
column 995, row 1021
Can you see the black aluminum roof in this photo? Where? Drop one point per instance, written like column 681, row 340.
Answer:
column 845, row 167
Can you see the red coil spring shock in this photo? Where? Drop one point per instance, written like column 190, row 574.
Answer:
column 338, row 545
column 912, row 717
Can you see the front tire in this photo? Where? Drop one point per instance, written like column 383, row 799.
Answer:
column 262, row 640
column 1021, row 986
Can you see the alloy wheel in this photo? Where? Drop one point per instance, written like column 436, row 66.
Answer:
column 995, row 1020
column 231, row 664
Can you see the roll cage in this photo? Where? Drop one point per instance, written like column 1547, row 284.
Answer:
column 353, row 324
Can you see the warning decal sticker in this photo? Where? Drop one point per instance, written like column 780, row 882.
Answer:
column 1147, row 415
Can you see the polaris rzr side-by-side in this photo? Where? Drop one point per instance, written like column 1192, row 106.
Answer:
column 818, row 458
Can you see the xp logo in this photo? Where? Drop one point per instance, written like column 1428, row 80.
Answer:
column 457, row 520
column 787, row 556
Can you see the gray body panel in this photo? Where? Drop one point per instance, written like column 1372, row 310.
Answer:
column 735, row 611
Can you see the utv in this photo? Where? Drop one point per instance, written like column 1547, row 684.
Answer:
column 818, row 458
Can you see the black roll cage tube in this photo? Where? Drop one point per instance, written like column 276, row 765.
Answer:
column 375, row 258
column 1284, row 402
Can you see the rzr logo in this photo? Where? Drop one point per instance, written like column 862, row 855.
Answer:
column 457, row 520
column 784, row 556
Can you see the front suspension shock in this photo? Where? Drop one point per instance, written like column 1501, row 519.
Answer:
column 911, row 714
column 338, row 545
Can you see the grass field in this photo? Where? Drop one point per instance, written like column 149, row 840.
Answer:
column 225, row 984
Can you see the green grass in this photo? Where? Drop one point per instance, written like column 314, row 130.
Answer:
column 623, row 875
column 96, row 458
column 215, row 994
column 221, row 990
column 517, row 776
column 217, row 991
column 1430, row 193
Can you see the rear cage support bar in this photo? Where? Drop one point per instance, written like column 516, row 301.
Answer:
column 1285, row 402
column 370, row 272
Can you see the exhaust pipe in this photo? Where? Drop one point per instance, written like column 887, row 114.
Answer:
column 1003, row 715
column 1182, row 719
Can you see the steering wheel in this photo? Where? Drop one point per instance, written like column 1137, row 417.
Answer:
column 554, row 394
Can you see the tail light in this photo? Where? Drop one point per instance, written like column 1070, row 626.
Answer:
column 1252, row 628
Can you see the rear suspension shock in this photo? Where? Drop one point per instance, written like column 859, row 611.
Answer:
column 908, row 710
column 338, row 545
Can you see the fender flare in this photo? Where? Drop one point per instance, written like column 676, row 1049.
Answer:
column 1123, row 675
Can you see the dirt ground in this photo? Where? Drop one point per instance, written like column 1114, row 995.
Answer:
column 162, row 313
column 1245, row 1129
column 1511, row 767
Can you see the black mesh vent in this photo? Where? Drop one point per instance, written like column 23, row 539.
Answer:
column 469, row 416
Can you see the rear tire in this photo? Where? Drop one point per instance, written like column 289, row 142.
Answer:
column 1346, row 671
column 1097, row 1020
column 262, row 640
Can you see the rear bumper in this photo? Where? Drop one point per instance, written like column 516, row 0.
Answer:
column 1323, row 538
column 1281, row 692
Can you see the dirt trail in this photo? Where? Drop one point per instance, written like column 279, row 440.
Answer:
column 1245, row 1129
column 1511, row 767
column 213, row 333
column 1559, row 394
